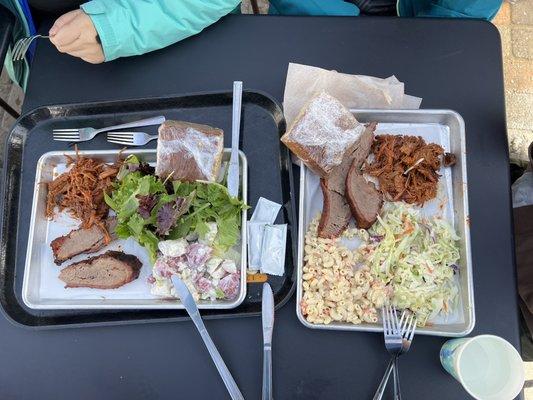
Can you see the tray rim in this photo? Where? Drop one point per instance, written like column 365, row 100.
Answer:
column 28, row 267
column 470, row 282
column 11, row 305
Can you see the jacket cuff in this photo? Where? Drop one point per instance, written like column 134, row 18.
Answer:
column 97, row 11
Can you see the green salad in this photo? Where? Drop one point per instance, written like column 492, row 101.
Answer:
column 417, row 257
column 150, row 209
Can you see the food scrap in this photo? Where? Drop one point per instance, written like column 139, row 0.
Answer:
column 80, row 191
column 406, row 168
column 449, row 160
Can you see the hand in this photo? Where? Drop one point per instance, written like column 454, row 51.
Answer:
column 74, row 33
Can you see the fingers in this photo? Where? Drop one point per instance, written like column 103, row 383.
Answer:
column 76, row 45
column 77, row 36
column 93, row 55
column 63, row 20
column 67, row 34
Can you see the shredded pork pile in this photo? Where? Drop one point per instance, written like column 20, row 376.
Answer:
column 80, row 191
column 406, row 167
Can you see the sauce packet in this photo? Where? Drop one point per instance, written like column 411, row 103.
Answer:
column 255, row 241
column 265, row 211
column 273, row 249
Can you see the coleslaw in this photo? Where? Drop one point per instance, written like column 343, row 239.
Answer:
column 416, row 256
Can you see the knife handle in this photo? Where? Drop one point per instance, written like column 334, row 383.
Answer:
column 230, row 383
column 267, row 372
column 236, row 116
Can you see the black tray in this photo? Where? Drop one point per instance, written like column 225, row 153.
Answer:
column 269, row 175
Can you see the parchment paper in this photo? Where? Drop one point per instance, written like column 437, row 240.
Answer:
column 354, row 91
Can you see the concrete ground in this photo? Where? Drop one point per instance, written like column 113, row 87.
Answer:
column 515, row 23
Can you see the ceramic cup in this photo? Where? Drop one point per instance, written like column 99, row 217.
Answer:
column 488, row 367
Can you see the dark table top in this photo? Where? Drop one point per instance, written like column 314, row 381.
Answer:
column 451, row 64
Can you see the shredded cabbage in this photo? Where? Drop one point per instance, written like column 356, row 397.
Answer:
column 416, row 257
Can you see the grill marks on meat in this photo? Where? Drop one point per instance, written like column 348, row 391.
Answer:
column 110, row 270
column 336, row 212
column 364, row 199
column 81, row 241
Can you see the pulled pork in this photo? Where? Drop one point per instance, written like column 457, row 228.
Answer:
column 406, row 168
column 80, row 191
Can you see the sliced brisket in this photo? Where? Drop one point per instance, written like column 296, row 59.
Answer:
column 335, row 213
column 81, row 241
column 336, row 180
column 364, row 199
column 106, row 271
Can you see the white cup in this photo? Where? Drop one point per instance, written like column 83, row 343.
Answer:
column 488, row 367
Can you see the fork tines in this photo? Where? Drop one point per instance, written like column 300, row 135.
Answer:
column 120, row 138
column 66, row 135
column 391, row 326
column 409, row 326
column 22, row 46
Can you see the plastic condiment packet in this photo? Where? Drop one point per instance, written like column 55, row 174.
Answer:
column 273, row 249
column 255, row 241
column 265, row 211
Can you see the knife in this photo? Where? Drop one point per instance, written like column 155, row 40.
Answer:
column 192, row 309
column 233, row 169
column 268, row 326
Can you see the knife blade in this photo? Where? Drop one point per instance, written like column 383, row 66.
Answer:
column 268, row 327
column 233, row 168
column 192, row 309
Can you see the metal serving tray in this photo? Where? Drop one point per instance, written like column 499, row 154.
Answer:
column 134, row 295
column 451, row 126
column 269, row 175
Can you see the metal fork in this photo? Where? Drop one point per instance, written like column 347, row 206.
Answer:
column 398, row 336
column 84, row 134
column 22, row 45
column 130, row 138
column 408, row 327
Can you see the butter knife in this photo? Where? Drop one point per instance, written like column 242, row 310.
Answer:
column 192, row 309
column 233, row 168
column 268, row 327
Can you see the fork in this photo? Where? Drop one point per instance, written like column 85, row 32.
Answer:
column 22, row 45
column 84, row 134
column 408, row 327
column 130, row 138
column 398, row 336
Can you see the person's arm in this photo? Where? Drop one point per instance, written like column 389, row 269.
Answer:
column 133, row 27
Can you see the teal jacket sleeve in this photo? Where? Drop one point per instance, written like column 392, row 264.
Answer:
column 481, row 9
column 133, row 27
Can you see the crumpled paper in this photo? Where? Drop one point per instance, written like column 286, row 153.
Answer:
column 354, row 91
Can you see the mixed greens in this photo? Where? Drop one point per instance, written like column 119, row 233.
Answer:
column 417, row 257
column 151, row 210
